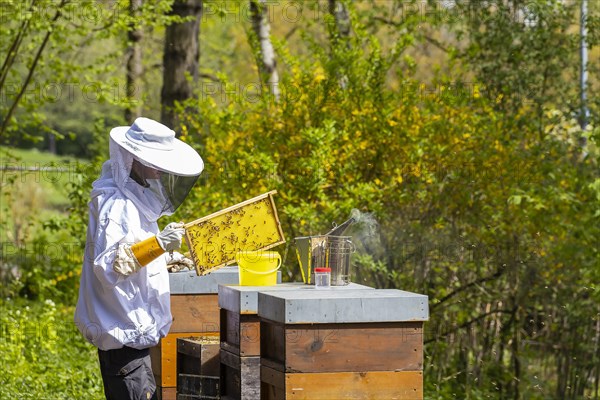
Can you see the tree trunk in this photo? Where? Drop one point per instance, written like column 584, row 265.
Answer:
column 563, row 359
column 134, row 64
column 341, row 32
column 51, row 143
column 268, row 65
column 181, row 59
column 341, row 16
column 516, row 361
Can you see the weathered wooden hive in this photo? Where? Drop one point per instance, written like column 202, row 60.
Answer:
column 347, row 344
column 195, row 310
column 241, row 340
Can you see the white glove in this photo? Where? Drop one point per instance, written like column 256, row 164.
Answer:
column 178, row 262
column 169, row 239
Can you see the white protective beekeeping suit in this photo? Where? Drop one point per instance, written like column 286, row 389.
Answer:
column 124, row 288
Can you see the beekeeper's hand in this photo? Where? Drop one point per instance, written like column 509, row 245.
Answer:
column 178, row 262
column 169, row 239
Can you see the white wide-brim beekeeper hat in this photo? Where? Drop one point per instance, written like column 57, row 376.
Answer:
column 156, row 144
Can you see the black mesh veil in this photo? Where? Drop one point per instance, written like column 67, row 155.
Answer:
column 164, row 190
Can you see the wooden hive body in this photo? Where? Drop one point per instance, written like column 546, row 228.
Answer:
column 341, row 344
column 240, row 336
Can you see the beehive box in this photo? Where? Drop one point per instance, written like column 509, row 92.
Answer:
column 251, row 225
column 198, row 355
column 240, row 329
column 339, row 345
column 195, row 310
column 198, row 368
column 240, row 336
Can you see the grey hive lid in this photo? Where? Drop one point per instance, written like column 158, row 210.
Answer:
column 188, row 282
column 347, row 306
column 244, row 299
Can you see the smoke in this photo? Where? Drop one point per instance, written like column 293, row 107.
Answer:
column 369, row 253
column 365, row 233
column 365, row 223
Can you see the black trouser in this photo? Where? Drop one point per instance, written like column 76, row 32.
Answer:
column 127, row 374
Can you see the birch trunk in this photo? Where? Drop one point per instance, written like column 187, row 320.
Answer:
column 181, row 59
column 268, row 65
column 341, row 16
column 342, row 24
column 134, row 64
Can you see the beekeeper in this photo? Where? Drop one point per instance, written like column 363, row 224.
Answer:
column 124, row 307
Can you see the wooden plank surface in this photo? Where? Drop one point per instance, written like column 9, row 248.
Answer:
column 240, row 376
column 198, row 356
column 240, row 334
column 342, row 347
column 250, row 374
column 230, row 329
column 354, row 347
column 401, row 385
column 197, row 386
column 272, row 341
column 195, row 313
column 166, row 393
column 249, row 335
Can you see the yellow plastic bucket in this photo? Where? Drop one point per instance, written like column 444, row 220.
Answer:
column 258, row 268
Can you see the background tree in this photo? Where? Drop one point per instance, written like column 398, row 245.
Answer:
column 341, row 17
column 455, row 129
column 13, row 53
column 181, row 58
column 134, row 63
column 267, row 65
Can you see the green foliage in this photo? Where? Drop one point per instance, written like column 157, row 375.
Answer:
column 486, row 198
column 523, row 52
column 482, row 202
column 77, row 76
column 43, row 354
column 43, row 219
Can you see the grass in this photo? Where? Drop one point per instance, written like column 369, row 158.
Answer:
column 40, row 174
column 34, row 188
column 34, row 156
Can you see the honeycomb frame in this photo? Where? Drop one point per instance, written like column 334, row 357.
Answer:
column 251, row 225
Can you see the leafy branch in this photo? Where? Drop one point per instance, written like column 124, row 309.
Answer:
column 33, row 66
